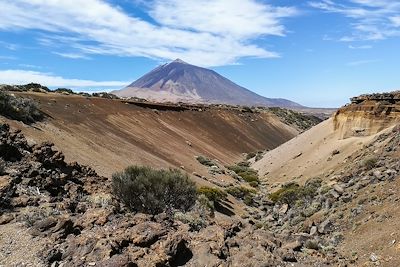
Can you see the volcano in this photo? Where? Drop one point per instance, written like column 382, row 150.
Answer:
column 179, row 81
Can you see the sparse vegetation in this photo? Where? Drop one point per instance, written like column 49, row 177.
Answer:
column 205, row 161
column 250, row 155
column 240, row 191
column 301, row 121
column 213, row 194
column 64, row 91
column 105, row 95
column 34, row 87
column 243, row 170
column 19, row 108
column 256, row 155
column 292, row 193
column 370, row 163
column 259, row 155
column 147, row 190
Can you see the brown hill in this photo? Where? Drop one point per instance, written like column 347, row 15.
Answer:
column 109, row 135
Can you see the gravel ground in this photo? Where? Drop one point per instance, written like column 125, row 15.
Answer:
column 18, row 247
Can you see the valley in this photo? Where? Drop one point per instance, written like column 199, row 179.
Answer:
column 322, row 195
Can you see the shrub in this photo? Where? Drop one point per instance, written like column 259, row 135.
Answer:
column 259, row 155
column 370, row 163
column 248, row 174
column 105, row 95
column 34, row 87
column 212, row 193
column 291, row 193
column 101, row 200
column 147, row 190
column 254, row 183
column 243, row 193
column 64, row 91
column 299, row 120
column 250, row 155
column 205, row 161
column 19, row 108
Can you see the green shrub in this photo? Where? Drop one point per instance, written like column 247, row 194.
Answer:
column 19, row 108
column 105, row 95
column 299, row 120
column 291, row 193
column 248, row 174
column 147, row 190
column 259, row 155
column 205, row 161
column 248, row 200
column 370, row 163
column 212, row 193
column 64, row 90
column 254, row 183
column 250, row 155
column 242, row 193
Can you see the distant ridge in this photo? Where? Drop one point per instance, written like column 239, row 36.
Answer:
column 179, row 81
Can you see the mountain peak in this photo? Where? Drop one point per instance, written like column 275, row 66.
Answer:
column 179, row 81
column 178, row 60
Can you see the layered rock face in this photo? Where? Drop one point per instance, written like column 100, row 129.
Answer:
column 368, row 114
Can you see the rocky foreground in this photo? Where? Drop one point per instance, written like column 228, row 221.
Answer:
column 65, row 215
column 58, row 214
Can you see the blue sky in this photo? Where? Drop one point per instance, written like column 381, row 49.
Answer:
column 318, row 52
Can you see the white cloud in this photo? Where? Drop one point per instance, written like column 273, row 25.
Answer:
column 360, row 46
column 30, row 66
column 71, row 55
column 372, row 19
column 396, row 21
column 362, row 62
column 202, row 32
column 234, row 18
column 48, row 79
column 9, row 46
column 8, row 58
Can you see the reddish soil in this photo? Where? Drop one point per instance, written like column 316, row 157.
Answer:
column 109, row 135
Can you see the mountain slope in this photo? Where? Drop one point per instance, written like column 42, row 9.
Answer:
column 349, row 130
column 110, row 135
column 179, row 81
column 338, row 183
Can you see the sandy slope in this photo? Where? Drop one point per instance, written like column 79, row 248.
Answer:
column 309, row 154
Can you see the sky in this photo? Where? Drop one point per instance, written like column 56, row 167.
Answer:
column 318, row 53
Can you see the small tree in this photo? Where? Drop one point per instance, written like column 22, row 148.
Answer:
column 144, row 189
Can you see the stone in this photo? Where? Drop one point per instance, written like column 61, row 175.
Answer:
column 334, row 194
column 45, row 224
column 338, row 189
column 377, row 174
column 313, row 230
column 283, row 209
column 325, row 226
column 295, row 245
column 373, row 257
column 117, row 261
